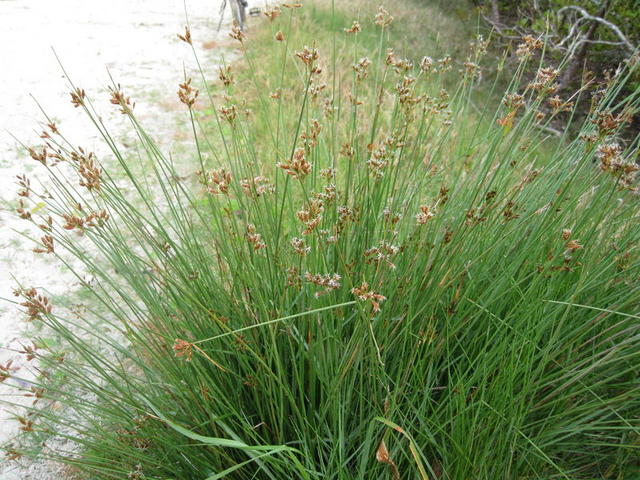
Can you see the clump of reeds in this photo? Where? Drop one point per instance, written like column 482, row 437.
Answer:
column 379, row 281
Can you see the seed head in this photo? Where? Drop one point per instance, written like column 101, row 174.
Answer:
column 187, row 94
column 25, row 186
column 29, row 352
column 364, row 294
column 298, row 166
column 216, row 181
column 11, row 453
column 308, row 55
column 26, row 425
column 237, row 34
column 226, row 75
column 328, row 195
column 310, row 137
column 136, row 473
column 426, row 65
column 81, row 224
column 607, row 122
column 229, row 112
column 507, row 120
column 355, row 27
column 544, row 81
column 391, row 218
column 35, row 393
column 328, row 281
column 300, row 247
column 47, row 245
column 187, row 35
column 528, row 45
column 5, row 370
column 471, row 69
column 77, row 97
column 328, row 173
column 88, row 170
column 254, row 238
column 184, row 349
column 573, row 245
column 311, row 215
column 513, row 101
column 118, row 98
column 22, row 211
column 445, row 63
column 424, row 215
column 383, row 252
column 38, row 156
column 558, row 105
column 361, row 68
column 379, row 160
column 272, row 12
column 54, row 129
column 35, row 303
column 509, row 212
column 383, row 18
column 257, row 186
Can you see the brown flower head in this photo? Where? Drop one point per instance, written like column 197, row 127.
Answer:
column 226, row 75
column 216, row 181
column 355, row 27
column 308, row 55
column 425, row 214
column 327, row 281
column 272, row 12
column 257, row 186
column 88, row 169
column 298, row 166
column 311, row 215
column 237, row 34
column 184, row 349
column 118, row 98
column 383, row 18
column 528, row 45
column 187, row 35
column 77, row 97
column 229, row 112
column 361, row 68
column 364, row 294
column 300, row 247
column 255, row 238
column 47, row 245
column 35, row 303
column 383, row 252
column 5, row 370
column 187, row 94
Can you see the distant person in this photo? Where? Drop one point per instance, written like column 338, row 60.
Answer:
column 238, row 10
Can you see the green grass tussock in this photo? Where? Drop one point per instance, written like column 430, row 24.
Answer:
column 369, row 276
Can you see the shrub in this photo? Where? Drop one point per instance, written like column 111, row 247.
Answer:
column 387, row 282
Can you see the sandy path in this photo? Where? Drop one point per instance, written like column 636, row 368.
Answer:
column 136, row 40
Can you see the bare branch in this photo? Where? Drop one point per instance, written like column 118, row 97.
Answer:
column 612, row 26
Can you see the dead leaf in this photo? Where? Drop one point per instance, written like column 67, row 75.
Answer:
column 382, row 455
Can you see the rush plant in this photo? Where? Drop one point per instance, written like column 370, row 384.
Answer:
column 367, row 275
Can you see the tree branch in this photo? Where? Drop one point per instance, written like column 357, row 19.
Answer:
column 612, row 26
